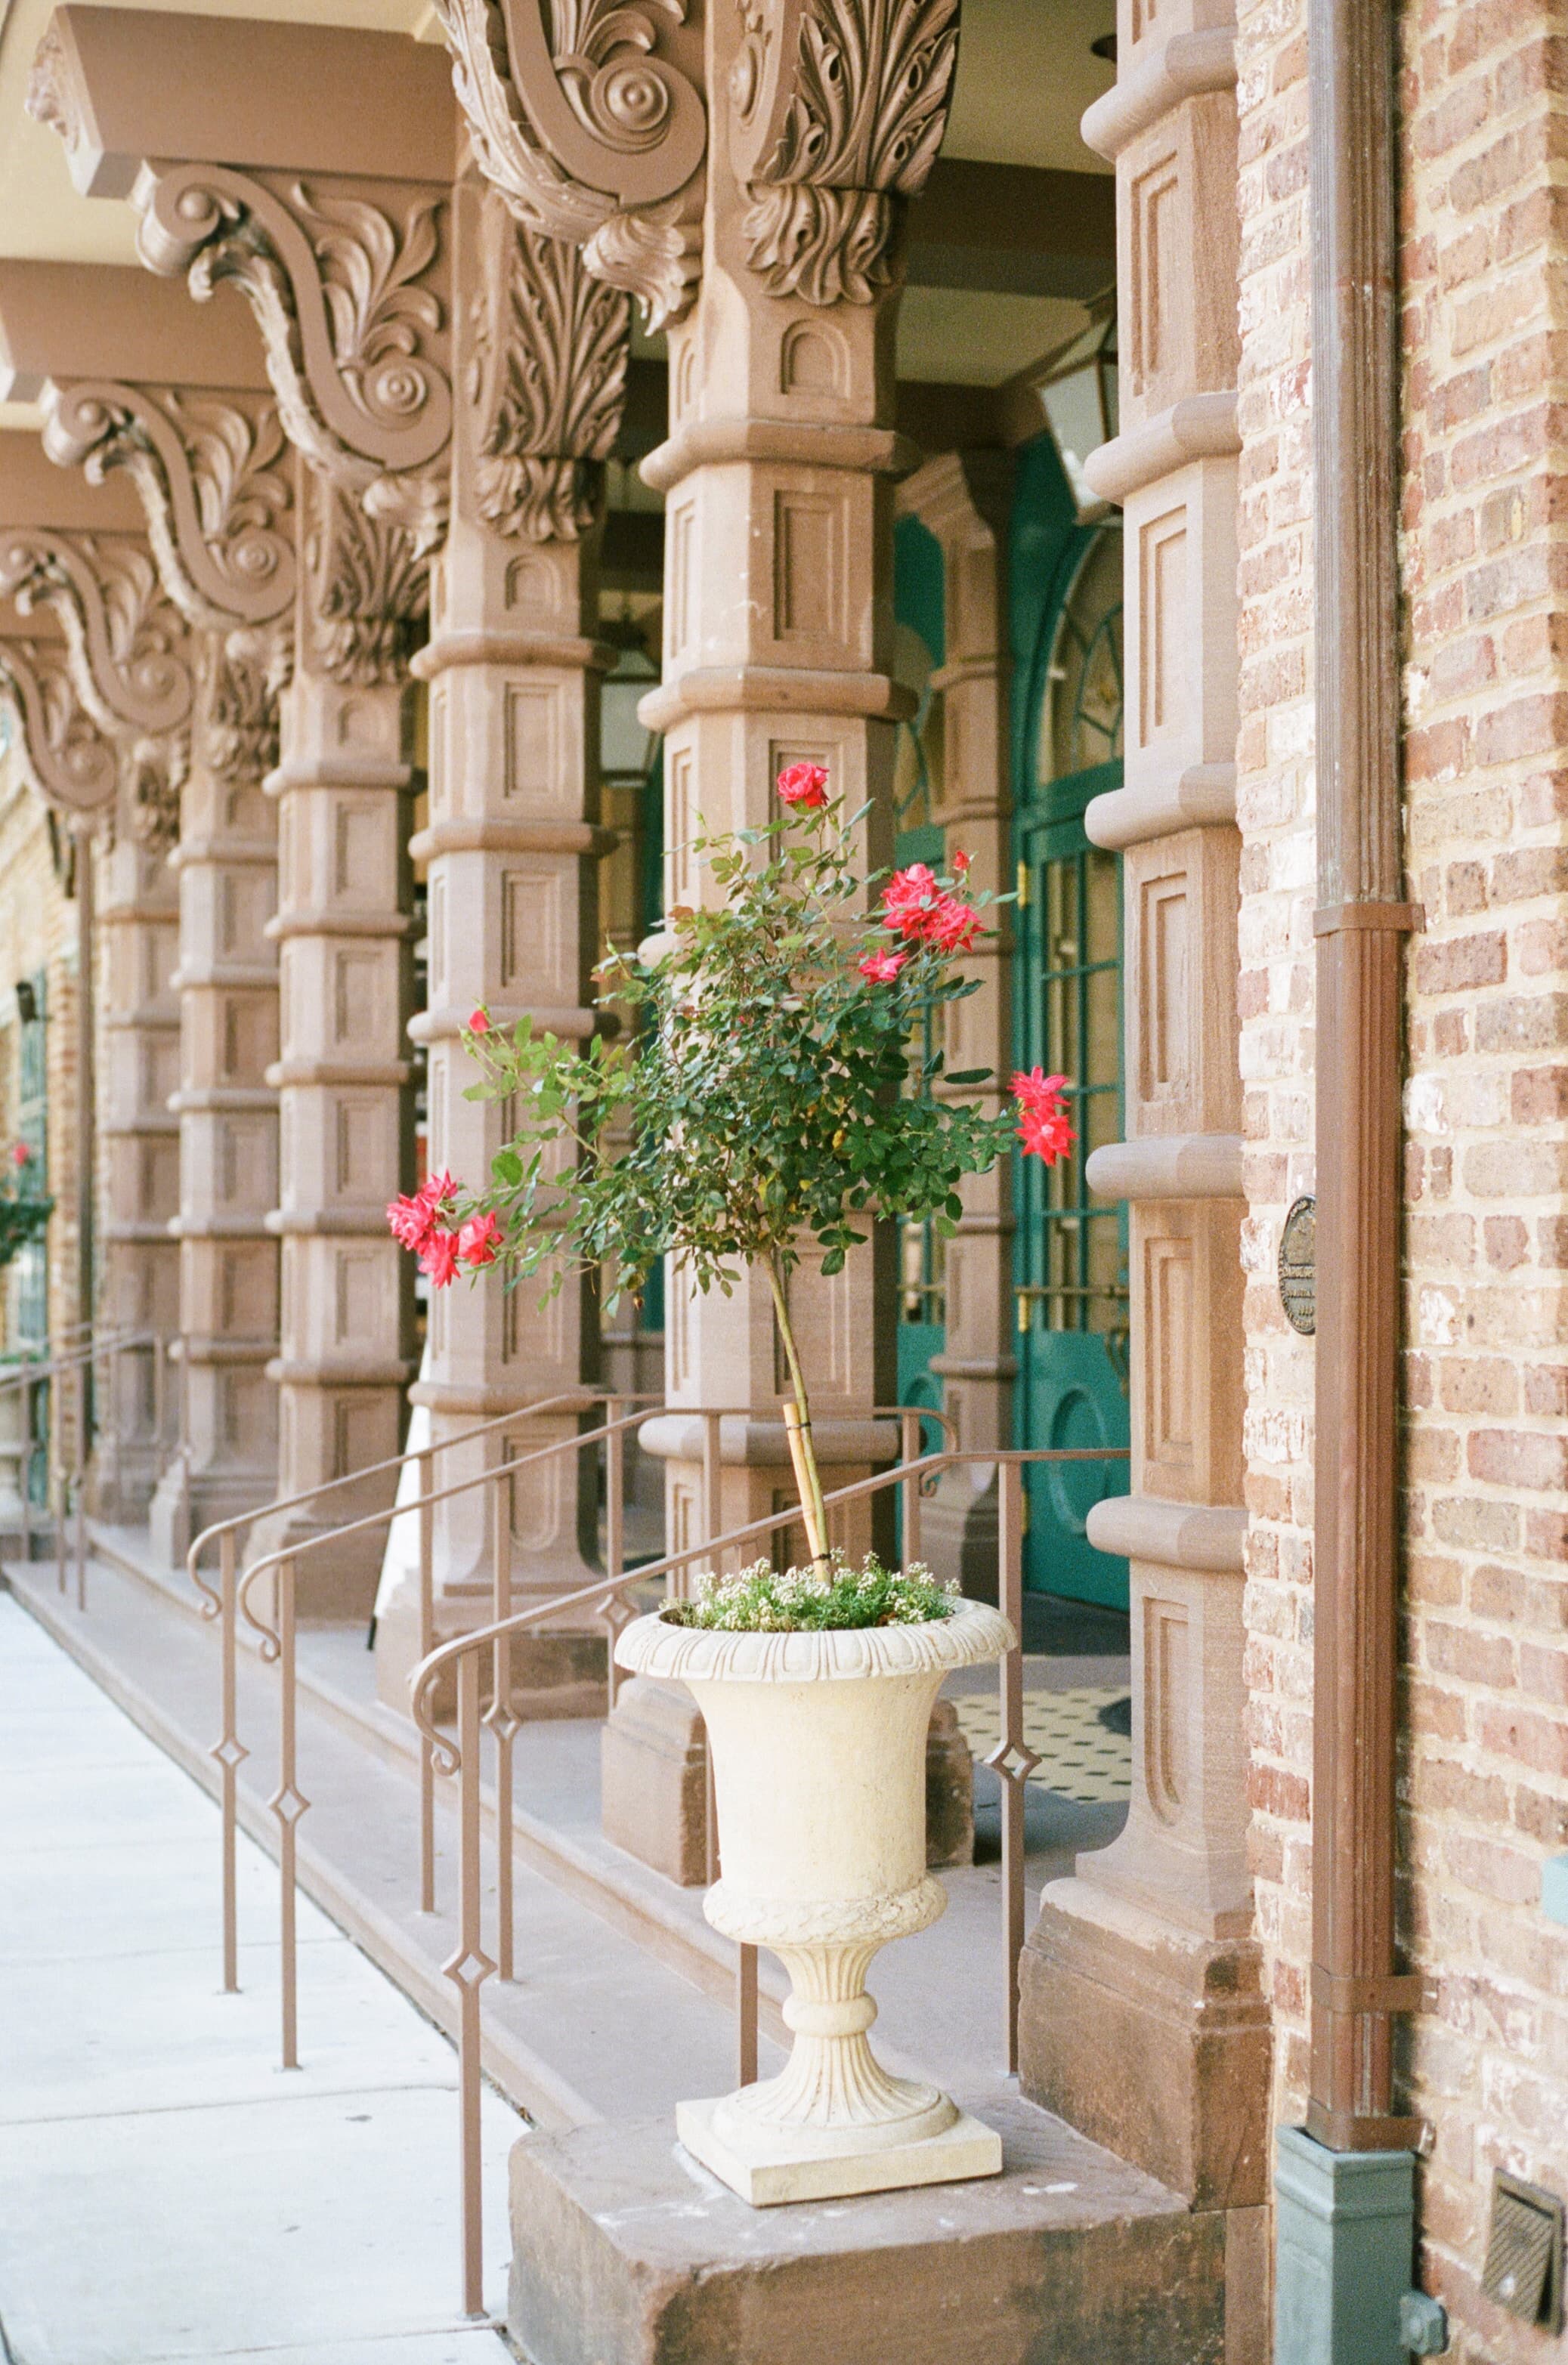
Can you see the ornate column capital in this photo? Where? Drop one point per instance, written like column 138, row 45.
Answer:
column 837, row 109
column 588, row 117
column 544, row 379
column 364, row 587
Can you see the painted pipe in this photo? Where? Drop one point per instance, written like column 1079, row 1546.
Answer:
column 1361, row 924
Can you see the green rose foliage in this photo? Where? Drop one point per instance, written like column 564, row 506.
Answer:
column 766, row 1092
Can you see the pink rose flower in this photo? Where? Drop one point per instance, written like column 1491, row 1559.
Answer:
column 438, row 1259
column 1043, row 1125
column 804, row 785
column 478, row 1240
column 479, row 1021
column 882, row 967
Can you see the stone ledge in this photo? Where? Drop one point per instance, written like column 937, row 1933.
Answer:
column 626, row 2252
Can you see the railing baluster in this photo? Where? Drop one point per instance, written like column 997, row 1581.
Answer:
column 288, row 1804
column 469, row 1968
column 712, row 1493
column 909, row 1451
column 502, row 1723
column 1012, row 1759
column 427, row 1644
column 231, row 1756
column 745, row 2016
column 27, row 1414
column 614, row 1526
column 79, row 1458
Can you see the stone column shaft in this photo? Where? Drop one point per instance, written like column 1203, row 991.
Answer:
column 138, row 920
column 226, row 1113
column 344, row 929
column 1148, row 1951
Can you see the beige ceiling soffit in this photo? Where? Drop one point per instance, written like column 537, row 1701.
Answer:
column 65, row 321
column 34, row 492
column 121, row 85
column 1013, row 230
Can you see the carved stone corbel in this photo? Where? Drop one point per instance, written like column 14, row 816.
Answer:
column 126, row 644
column 837, row 111
column 215, row 485
column 349, row 290
column 71, row 761
column 588, row 117
column 545, row 380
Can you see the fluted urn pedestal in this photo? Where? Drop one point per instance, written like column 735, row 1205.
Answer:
column 818, row 1745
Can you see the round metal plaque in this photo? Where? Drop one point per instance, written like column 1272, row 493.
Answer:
column 1298, row 1267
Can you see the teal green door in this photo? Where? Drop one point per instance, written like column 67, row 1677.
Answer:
column 1070, row 1259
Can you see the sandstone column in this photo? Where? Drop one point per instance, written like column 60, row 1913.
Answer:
column 137, row 919
column 214, row 482
column 343, row 930
column 1148, row 1953
column 778, row 472
column 513, row 847
column 964, row 498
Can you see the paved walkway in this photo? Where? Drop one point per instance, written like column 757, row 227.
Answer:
column 168, row 2195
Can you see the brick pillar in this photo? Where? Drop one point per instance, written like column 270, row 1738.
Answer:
column 225, row 1109
column 138, row 1020
column 1148, row 1953
column 343, row 930
column 513, row 847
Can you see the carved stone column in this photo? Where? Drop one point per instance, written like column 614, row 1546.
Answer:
column 138, row 916
column 212, row 474
column 1148, row 1953
column 963, row 498
column 778, row 474
column 513, row 847
column 343, row 930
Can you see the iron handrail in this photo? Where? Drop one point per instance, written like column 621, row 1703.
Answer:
column 468, row 1966
column 76, row 1362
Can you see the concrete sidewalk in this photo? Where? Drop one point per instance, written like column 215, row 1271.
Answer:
column 167, row 2192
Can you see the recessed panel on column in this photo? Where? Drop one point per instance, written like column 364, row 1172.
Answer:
column 1185, row 1262
column 1181, row 1056
column 533, row 771
column 1165, row 1702
column 1177, row 281
column 1181, row 623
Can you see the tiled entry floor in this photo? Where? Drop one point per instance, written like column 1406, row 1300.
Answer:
column 1083, row 1755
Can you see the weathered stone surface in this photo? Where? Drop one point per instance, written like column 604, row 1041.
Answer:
column 626, row 2252
column 1102, row 1984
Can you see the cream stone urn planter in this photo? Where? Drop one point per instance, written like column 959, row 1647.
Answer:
column 818, row 1744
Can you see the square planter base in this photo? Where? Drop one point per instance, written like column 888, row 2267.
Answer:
column 960, row 2152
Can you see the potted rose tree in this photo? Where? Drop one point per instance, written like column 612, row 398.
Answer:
column 766, row 1095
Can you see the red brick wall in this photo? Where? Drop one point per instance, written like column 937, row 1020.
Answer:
column 1485, row 1784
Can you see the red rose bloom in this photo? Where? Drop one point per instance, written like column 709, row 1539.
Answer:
column 882, row 967
column 804, row 785
column 479, row 1021
column 438, row 1258
column 1043, row 1125
column 478, row 1240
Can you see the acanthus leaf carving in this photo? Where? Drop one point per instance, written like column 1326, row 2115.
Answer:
column 587, row 116
column 214, row 486
column 546, row 380
column 245, row 674
column 70, row 762
column 156, row 771
column 838, row 111
column 366, row 589
column 351, row 300
column 126, row 644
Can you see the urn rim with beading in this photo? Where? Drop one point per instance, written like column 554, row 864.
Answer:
column 971, row 1634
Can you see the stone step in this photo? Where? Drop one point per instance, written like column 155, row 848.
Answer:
column 626, row 2252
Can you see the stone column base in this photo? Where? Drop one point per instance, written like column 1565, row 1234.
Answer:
column 1104, row 1983
column 653, row 1759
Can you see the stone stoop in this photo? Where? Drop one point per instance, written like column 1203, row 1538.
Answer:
column 626, row 2252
